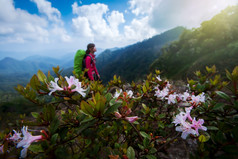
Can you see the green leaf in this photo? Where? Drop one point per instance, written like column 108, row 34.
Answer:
column 162, row 115
column 113, row 108
column 86, row 108
column 36, row 148
column 146, row 142
column 41, row 76
column 34, row 82
column 144, row 89
column 223, row 95
column 152, row 150
column 141, row 147
column 56, row 69
column 218, row 106
column 49, row 113
column 35, row 114
column 86, row 120
column 145, row 135
column 54, row 138
column 151, row 157
column 130, row 153
column 108, row 96
column 203, row 138
column 212, row 128
column 147, row 84
column 117, row 145
column 54, row 125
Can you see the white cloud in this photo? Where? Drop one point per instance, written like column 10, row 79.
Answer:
column 142, row 7
column 45, row 7
column 96, row 23
column 139, row 30
column 19, row 26
column 82, row 27
column 115, row 19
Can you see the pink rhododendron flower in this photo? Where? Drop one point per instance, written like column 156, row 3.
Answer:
column 185, row 96
column 1, row 149
column 199, row 98
column 27, row 140
column 71, row 81
column 172, row 98
column 117, row 115
column 126, row 111
column 186, row 129
column 168, row 85
column 131, row 119
column 53, row 86
column 198, row 125
column 202, row 97
column 187, row 125
column 16, row 136
column 162, row 94
column 181, row 117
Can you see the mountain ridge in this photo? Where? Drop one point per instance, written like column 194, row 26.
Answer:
column 133, row 61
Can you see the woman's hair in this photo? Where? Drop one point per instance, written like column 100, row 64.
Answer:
column 91, row 45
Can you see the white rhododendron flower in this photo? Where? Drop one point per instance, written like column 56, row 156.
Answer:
column 72, row 81
column 158, row 78
column 117, row 93
column 79, row 89
column 130, row 93
column 53, row 86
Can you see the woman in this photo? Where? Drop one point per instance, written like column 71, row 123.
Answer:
column 90, row 63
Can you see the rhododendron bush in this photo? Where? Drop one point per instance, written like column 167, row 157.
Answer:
column 86, row 119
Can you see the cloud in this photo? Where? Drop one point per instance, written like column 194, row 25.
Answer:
column 45, row 7
column 95, row 22
column 139, row 30
column 190, row 13
column 19, row 26
column 142, row 7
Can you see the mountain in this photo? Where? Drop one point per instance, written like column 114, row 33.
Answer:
column 38, row 58
column 214, row 43
column 132, row 62
column 12, row 66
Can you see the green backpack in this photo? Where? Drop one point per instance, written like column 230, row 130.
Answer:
column 78, row 61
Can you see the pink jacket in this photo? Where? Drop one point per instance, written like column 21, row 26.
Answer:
column 91, row 66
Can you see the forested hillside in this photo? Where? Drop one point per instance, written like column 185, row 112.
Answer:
column 132, row 62
column 214, row 43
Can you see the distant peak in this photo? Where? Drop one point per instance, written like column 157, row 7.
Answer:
column 9, row 59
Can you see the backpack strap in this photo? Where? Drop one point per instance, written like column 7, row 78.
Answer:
column 92, row 60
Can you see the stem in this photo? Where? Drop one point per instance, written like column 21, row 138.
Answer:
column 168, row 142
column 136, row 131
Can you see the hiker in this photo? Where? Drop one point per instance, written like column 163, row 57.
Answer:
column 90, row 63
column 86, row 60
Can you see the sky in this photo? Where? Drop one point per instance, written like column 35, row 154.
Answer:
column 58, row 27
